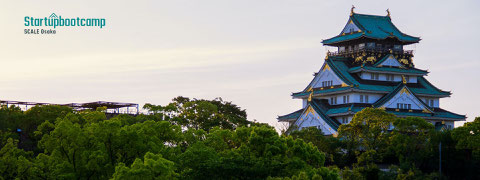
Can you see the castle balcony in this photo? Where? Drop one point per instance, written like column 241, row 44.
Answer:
column 377, row 50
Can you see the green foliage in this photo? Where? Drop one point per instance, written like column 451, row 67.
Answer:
column 200, row 113
column 11, row 118
column 409, row 141
column 14, row 162
column 468, row 137
column 322, row 173
column 368, row 128
column 202, row 139
column 152, row 167
column 255, row 152
column 331, row 146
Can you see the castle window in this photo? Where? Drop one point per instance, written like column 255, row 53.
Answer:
column 333, row 100
column 374, row 76
column 346, row 99
column 390, row 77
column 364, row 98
column 397, row 47
column 407, row 78
column 429, row 102
column 327, row 83
column 361, row 46
column 404, row 106
column 371, row 45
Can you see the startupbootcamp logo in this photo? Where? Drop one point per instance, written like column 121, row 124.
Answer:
column 54, row 21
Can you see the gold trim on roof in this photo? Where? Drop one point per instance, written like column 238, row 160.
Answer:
column 403, row 61
column 371, row 59
column 310, row 110
column 326, row 67
column 311, row 94
column 309, row 89
column 404, row 90
column 425, row 110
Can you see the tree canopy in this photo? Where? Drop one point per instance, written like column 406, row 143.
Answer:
column 212, row 139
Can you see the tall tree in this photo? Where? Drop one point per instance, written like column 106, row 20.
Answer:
column 200, row 113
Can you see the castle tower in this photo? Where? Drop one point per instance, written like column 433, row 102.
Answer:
column 369, row 69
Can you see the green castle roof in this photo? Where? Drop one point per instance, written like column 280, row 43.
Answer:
column 373, row 27
column 327, row 110
column 411, row 71
column 341, row 69
column 397, row 89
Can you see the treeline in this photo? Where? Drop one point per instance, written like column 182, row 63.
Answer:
column 212, row 139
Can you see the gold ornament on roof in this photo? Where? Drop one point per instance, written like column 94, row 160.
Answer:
column 404, row 61
column 351, row 10
column 404, row 80
column 388, row 12
column 359, row 58
column 371, row 59
column 310, row 89
column 310, row 96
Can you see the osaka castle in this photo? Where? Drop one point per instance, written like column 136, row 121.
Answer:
column 370, row 68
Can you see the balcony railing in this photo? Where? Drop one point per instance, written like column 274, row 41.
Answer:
column 371, row 50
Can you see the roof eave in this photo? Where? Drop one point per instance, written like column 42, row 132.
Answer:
column 392, row 72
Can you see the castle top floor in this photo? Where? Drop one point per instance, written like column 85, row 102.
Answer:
column 370, row 33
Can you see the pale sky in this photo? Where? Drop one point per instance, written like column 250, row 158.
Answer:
column 254, row 53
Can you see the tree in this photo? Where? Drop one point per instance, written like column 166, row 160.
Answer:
column 409, row 141
column 468, row 137
column 331, row 146
column 14, row 162
column 200, row 113
column 153, row 166
column 255, row 152
column 368, row 130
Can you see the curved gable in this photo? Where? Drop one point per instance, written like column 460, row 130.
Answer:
column 390, row 60
column 350, row 28
column 405, row 97
column 310, row 118
column 326, row 74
